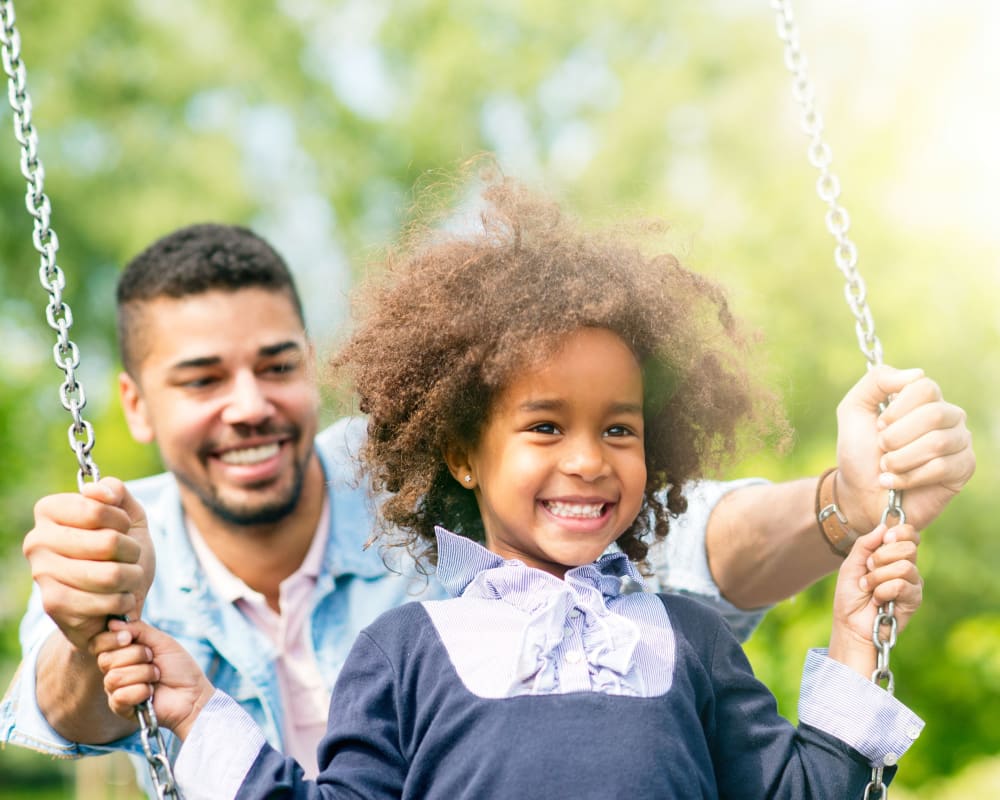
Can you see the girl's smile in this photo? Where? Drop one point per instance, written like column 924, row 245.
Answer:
column 559, row 471
column 564, row 509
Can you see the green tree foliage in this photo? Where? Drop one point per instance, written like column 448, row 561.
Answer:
column 317, row 122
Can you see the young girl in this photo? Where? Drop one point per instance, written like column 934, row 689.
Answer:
column 544, row 393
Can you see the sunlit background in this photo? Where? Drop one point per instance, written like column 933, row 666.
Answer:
column 317, row 123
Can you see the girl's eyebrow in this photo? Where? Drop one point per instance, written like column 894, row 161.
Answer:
column 541, row 405
column 545, row 404
column 626, row 408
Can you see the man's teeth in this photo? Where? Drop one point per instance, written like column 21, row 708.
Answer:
column 250, row 455
column 580, row 510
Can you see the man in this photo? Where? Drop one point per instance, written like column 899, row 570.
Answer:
column 259, row 525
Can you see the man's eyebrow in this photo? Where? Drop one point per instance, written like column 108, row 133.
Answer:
column 280, row 347
column 267, row 351
column 194, row 363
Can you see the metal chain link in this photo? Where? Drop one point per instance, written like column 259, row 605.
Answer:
column 828, row 184
column 60, row 318
column 58, row 314
column 155, row 750
column 845, row 255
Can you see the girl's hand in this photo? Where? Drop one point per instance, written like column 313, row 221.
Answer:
column 881, row 567
column 136, row 658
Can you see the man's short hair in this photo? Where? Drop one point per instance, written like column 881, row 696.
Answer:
column 194, row 260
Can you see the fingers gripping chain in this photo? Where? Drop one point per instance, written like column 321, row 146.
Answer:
column 60, row 318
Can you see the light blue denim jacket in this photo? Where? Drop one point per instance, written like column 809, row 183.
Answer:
column 353, row 588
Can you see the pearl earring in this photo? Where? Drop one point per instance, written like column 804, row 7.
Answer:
column 468, row 479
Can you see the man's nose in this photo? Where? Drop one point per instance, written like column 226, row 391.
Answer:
column 248, row 402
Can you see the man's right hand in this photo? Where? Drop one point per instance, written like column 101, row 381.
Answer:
column 91, row 557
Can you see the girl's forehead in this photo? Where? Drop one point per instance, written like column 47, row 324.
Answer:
column 545, row 347
column 586, row 361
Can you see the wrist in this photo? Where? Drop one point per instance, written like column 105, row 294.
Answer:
column 203, row 694
column 60, row 654
column 69, row 691
column 857, row 504
column 833, row 523
column 852, row 651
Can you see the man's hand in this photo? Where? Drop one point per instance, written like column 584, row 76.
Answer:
column 92, row 558
column 919, row 445
column 762, row 541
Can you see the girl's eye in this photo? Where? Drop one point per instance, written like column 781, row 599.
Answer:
column 619, row 430
column 544, row 427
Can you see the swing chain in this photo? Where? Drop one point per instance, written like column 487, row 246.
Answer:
column 838, row 222
column 845, row 254
column 58, row 313
column 885, row 626
column 155, row 750
column 60, row 318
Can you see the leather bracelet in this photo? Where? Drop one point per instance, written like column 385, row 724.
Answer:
column 831, row 520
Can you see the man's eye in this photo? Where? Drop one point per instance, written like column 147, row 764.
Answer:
column 198, row 383
column 283, row 368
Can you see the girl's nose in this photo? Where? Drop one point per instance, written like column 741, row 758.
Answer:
column 585, row 459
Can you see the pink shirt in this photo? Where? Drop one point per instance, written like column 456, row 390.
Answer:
column 304, row 696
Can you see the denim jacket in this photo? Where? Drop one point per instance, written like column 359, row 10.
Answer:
column 354, row 587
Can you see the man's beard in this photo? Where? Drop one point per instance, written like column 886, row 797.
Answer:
column 249, row 516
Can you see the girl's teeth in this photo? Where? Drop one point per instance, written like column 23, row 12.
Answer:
column 581, row 510
column 250, row 455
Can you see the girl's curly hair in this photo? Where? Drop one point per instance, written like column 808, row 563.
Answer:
column 455, row 315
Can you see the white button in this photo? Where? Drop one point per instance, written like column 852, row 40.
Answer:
column 574, row 656
column 913, row 731
column 567, row 631
column 890, row 759
column 574, row 614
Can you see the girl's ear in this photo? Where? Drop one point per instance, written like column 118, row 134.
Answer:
column 461, row 470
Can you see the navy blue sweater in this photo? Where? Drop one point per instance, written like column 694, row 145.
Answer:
column 403, row 725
